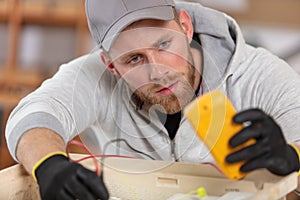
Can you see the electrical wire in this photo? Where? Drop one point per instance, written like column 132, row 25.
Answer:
column 132, row 148
column 121, row 140
column 91, row 155
column 99, row 170
column 100, row 156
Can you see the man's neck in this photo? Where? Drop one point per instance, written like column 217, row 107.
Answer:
column 171, row 122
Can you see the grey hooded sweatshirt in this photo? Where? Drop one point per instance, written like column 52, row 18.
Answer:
column 84, row 97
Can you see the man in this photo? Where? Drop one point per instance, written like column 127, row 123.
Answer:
column 153, row 61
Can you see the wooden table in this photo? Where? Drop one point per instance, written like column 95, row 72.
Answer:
column 151, row 180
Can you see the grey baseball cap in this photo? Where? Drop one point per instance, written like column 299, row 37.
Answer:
column 107, row 18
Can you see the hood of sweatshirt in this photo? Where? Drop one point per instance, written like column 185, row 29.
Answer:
column 221, row 40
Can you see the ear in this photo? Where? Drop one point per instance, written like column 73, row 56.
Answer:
column 109, row 64
column 186, row 24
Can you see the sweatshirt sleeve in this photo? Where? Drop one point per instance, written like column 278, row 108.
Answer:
column 67, row 103
column 269, row 83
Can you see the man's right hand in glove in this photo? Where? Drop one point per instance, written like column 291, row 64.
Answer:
column 58, row 178
column 270, row 151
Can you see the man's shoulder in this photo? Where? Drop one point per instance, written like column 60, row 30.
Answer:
column 92, row 58
column 88, row 67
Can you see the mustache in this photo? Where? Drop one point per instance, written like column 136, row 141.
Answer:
column 166, row 81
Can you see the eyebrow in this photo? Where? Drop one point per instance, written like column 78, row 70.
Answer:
column 155, row 44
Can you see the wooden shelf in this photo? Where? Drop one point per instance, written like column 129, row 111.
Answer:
column 47, row 12
column 22, row 78
column 276, row 12
column 16, row 82
column 4, row 10
column 10, row 100
column 263, row 12
column 61, row 14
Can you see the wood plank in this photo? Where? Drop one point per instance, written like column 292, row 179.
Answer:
column 4, row 10
column 82, row 33
column 5, row 158
column 60, row 14
column 267, row 12
column 275, row 18
column 18, row 184
column 20, row 78
column 13, row 33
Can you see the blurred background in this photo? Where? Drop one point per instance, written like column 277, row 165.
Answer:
column 36, row 37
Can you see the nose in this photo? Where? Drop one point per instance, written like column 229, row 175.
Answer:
column 157, row 69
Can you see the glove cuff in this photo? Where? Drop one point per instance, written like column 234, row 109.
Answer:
column 298, row 154
column 42, row 160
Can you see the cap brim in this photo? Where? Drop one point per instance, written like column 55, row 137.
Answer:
column 160, row 13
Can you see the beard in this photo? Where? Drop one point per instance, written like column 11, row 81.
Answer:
column 173, row 102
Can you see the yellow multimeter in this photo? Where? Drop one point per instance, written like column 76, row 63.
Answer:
column 211, row 117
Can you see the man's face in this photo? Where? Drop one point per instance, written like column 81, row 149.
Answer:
column 155, row 60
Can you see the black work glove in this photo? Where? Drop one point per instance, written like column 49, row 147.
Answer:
column 270, row 149
column 58, row 178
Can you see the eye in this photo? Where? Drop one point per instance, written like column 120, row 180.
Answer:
column 164, row 44
column 135, row 59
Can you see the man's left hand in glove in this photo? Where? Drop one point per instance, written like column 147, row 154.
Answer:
column 270, row 150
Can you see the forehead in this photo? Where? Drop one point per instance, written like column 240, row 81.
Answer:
column 143, row 34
